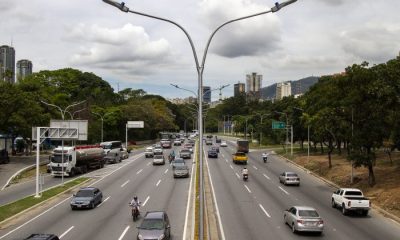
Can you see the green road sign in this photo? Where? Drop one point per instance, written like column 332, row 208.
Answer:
column 278, row 125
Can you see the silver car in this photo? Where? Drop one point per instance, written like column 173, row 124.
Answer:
column 303, row 219
column 158, row 160
column 181, row 171
column 289, row 178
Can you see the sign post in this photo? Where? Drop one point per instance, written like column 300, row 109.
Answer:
column 132, row 124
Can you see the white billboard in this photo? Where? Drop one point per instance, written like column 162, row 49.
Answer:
column 81, row 125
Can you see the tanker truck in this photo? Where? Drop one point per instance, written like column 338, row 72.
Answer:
column 77, row 159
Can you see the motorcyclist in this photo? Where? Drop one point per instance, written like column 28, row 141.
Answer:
column 135, row 203
column 265, row 156
column 171, row 156
column 245, row 172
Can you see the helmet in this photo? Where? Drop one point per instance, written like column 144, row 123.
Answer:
column 244, row 168
column 135, row 198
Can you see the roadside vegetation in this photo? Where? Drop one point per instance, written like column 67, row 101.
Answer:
column 11, row 209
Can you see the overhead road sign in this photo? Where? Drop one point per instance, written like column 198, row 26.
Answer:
column 135, row 124
column 278, row 125
column 81, row 125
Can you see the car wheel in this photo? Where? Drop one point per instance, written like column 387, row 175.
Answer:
column 92, row 205
column 293, row 228
column 344, row 211
column 333, row 203
column 72, row 208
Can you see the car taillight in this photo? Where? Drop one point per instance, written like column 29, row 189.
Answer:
column 349, row 203
column 300, row 221
column 320, row 222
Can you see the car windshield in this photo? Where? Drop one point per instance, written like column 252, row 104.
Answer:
column 185, row 151
column 57, row 158
column 152, row 224
column 308, row 213
column 291, row 175
column 84, row 193
column 108, row 146
column 240, row 154
column 158, row 156
column 181, row 167
column 179, row 160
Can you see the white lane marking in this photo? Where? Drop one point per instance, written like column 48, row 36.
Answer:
column 216, row 204
column 51, row 208
column 266, row 176
column 105, row 200
column 123, row 185
column 266, row 213
column 145, row 201
column 148, row 163
column 255, row 167
column 248, row 189
column 139, row 171
column 237, row 175
column 226, row 160
column 230, row 166
column 123, row 233
column 188, row 202
column 283, row 190
column 158, row 182
column 166, row 170
column 65, row 233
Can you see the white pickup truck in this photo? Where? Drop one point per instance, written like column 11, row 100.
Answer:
column 351, row 199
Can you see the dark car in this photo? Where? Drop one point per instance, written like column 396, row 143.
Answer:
column 39, row 236
column 185, row 153
column 87, row 197
column 181, row 171
column 215, row 148
column 155, row 225
column 212, row 153
column 191, row 141
column 218, row 140
column 178, row 162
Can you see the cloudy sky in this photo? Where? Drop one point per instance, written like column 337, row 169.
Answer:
column 309, row 37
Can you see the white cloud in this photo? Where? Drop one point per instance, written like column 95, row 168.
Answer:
column 127, row 49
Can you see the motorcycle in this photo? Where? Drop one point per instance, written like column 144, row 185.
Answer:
column 265, row 159
column 135, row 213
column 245, row 177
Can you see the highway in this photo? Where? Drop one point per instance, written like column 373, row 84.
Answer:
column 254, row 209
column 154, row 185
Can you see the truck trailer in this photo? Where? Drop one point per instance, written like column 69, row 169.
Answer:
column 76, row 159
column 242, row 145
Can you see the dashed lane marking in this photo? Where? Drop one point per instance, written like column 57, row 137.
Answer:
column 123, row 185
column 123, row 233
column 284, row 190
column 105, row 200
column 158, row 182
column 145, row 201
column 266, row 213
column 65, row 233
column 248, row 189
column 266, row 176
column 139, row 171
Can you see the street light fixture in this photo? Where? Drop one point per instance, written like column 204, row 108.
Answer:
column 200, row 70
column 261, row 116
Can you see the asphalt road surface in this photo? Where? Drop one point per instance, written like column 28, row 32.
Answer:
column 254, row 209
column 154, row 185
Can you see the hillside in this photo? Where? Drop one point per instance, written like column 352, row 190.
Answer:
column 298, row 86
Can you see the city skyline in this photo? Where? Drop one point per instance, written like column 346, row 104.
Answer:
column 136, row 52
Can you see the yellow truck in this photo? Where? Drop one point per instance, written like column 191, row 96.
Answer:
column 239, row 157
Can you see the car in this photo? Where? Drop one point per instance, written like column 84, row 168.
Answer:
column 124, row 153
column 192, row 142
column 217, row 140
column 212, row 153
column 158, row 160
column 182, row 140
column 188, row 146
column 148, row 153
column 185, row 153
column 87, row 197
column 178, row 162
column 289, row 178
column 181, row 171
column 41, row 236
column 303, row 219
column 223, row 144
column 351, row 200
column 177, row 142
column 157, row 151
column 113, row 156
column 155, row 225
column 216, row 148
column 209, row 141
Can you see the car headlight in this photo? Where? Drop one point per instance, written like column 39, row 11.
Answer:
column 161, row 237
column 86, row 202
column 139, row 236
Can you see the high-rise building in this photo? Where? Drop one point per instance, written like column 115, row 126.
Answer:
column 253, row 82
column 207, row 94
column 238, row 88
column 24, row 68
column 7, row 64
column 283, row 89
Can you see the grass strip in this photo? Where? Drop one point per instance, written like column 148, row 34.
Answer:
column 18, row 206
column 29, row 174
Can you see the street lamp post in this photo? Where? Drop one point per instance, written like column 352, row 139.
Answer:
column 308, row 135
column 200, row 70
column 261, row 116
column 287, row 131
column 62, row 141
column 102, row 122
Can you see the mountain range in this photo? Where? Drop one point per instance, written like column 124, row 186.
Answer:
column 298, row 87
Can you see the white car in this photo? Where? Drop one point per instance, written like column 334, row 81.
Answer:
column 148, row 153
column 223, row 144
